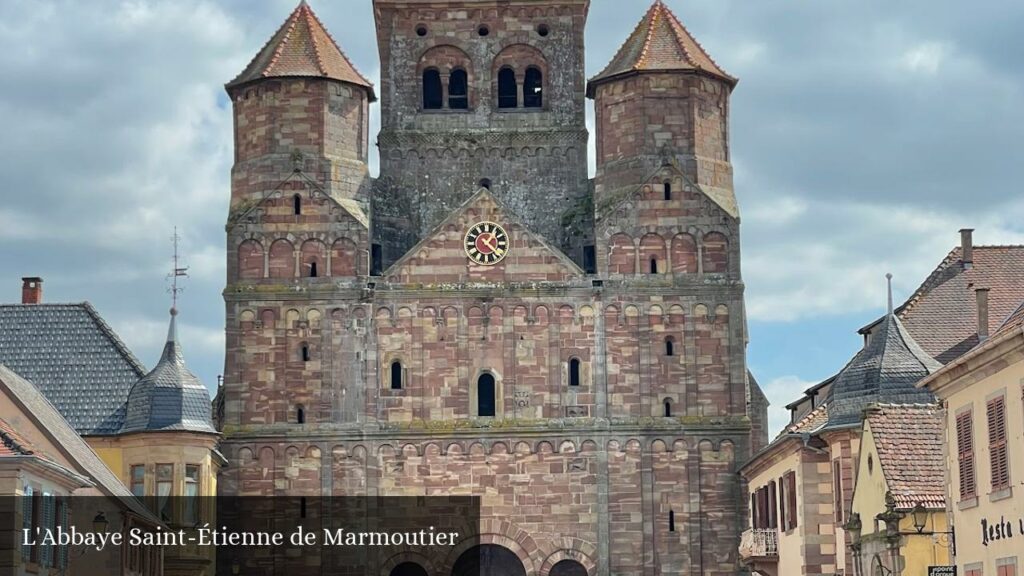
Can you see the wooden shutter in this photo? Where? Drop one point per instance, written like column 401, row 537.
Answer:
column 997, row 443
column 782, row 503
column 773, row 518
column 965, row 455
column 791, row 499
column 753, row 509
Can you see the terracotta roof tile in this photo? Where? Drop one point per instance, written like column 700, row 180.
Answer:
column 302, row 47
column 908, row 439
column 942, row 313
column 12, row 443
column 659, row 42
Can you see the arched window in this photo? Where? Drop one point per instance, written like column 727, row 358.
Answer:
column 670, row 346
column 458, row 90
column 304, row 352
column 485, row 183
column 671, row 520
column 508, row 92
column 300, row 414
column 408, row 569
column 654, row 265
column 485, row 402
column 312, row 270
column 668, row 190
column 533, row 88
column 668, row 407
column 433, row 98
column 396, row 375
column 568, row 568
column 297, row 204
column 574, row 372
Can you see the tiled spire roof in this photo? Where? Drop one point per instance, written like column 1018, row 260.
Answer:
column 302, row 47
column 660, row 42
column 170, row 397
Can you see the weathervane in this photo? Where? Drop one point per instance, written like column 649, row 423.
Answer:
column 178, row 271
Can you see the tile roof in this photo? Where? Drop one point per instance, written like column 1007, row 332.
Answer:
column 908, row 439
column 1014, row 322
column 37, row 407
column 810, row 423
column 885, row 370
column 659, row 42
column 74, row 358
column 942, row 313
column 11, row 443
column 302, row 47
column 170, row 397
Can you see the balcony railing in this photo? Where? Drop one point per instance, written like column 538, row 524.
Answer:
column 760, row 543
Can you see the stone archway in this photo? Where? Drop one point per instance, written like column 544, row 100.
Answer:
column 408, row 569
column 568, row 568
column 488, row 560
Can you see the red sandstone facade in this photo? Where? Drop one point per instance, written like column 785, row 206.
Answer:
column 591, row 387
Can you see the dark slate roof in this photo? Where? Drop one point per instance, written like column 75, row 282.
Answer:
column 659, row 43
column 884, row 371
column 74, row 358
column 85, row 461
column 942, row 314
column 911, row 457
column 170, row 397
column 302, row 47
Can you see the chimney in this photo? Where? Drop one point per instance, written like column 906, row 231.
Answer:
column 982, row 295
column 31, row 290
column 967, row 248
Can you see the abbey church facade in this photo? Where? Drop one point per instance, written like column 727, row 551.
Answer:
column 482, row 318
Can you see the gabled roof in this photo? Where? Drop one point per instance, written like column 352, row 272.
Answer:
column 348, row 205
column 48, row 420
column 908, row 440
column 942, row 313
column 11, row 443
column 885, row 370
column 659, row 43
column 302, row 47
column 74, row 358
column 170, row 397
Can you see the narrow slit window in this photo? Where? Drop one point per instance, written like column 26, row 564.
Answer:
column 304, row 352
column 458, row 90
column 533, row 88
column 376, row 260
column 396, row 375
column 670, row 347
column 312, row 270
column 300, row 414
column 574, row 372
column 668, row 408
column 668, row 190
column 671, row 520
column 432, row 92
column 590, row 259
column 508, row 92
column 654, row 265
column 485, row 398
column 297, row 204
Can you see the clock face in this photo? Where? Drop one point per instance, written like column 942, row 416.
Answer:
column 486, row 243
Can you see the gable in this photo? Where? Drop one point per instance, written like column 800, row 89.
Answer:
column 276, row 209
column 441, row 257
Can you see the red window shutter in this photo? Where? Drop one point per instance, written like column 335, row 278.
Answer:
column 965, row 455
column 997, row 444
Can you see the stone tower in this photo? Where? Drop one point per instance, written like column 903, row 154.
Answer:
column 590, row 383
column 477, row 93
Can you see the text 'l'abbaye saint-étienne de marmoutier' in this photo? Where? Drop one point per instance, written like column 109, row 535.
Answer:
column 206, row 536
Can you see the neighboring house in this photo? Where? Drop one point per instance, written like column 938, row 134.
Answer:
column 61, row 481
column 983, row 396
column 897, row 523
column 153, row 429
column 801, row 485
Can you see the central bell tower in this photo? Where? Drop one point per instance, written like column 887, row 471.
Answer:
column 482, row 94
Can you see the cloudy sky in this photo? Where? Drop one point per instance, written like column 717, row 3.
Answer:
column 865, row 134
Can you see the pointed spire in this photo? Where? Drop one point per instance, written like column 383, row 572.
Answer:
column 172, row 330
column 659, row 42
column 302, row 47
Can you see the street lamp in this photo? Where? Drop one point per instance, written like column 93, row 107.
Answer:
column 920, row 514
column 99, row 523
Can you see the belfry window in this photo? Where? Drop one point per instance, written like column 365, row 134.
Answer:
column 312, row 270
column 574, row 372
column 668, row 190
column 508, row 92
column 533, row 88
column 654, row 265
column 485, row 401
column 297, row 204
column 458, row 90
column 396, row 375
column 670, row 346
column 433, row 98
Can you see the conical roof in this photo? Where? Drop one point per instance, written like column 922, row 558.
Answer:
column 170, row 397
column 302, row 47
column 884, row 371
column 659, row 42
